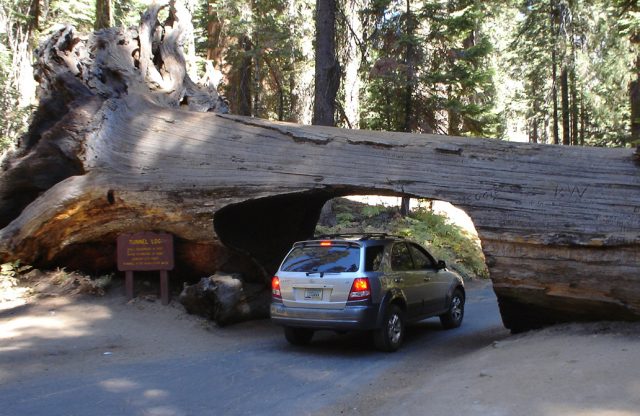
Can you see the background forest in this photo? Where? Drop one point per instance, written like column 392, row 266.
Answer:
column 548, row 71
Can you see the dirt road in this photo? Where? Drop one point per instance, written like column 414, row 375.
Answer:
column 65, row 356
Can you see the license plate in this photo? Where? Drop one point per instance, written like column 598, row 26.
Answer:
column 313, row 294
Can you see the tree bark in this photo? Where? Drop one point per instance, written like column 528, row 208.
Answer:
column 409, row 62
column 574, row 95
column 215, row 41
column 327, row 78
column 634, row 95
column 453, row 128
column 554, row 95
column 353, row 59
column 405, row 206
column 245, row 100
column 104, row 15
column 573, row 82
column 226, row 299
column 583, row 121
column 533, row 137
column 575, row 115
column 566, row 122
column 405, row 201
column 634, row 85
column 559, row 226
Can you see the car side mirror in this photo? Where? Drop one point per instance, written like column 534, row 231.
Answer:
column 441, row 265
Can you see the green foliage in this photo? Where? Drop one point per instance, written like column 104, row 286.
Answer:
column 21, row 27
column 13, row 122
column 454, row 67
column 265, row 37
column 79, row 13
column 430, row 71
column 15, row 25
column 370, row 211
column 592, row 41
column 344, row 218
column 13, row 269
column 127, row 12
column 444, row 240
column 82, row 14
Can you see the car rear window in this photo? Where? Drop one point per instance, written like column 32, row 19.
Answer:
column 332, row 259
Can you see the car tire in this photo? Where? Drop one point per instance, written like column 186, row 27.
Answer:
column 298, row 336
column 454, row 315
column 389, row 337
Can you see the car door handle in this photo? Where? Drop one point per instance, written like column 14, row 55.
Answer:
column 398, row 279
column 427, row 279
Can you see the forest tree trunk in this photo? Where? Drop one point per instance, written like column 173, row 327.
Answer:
column 245, row 100
column 353, row 55
column 583, row 121
column 554, row 96
column 533, row 138
column 327, row 78
column 215, row 41
column 405, row 202
column 566, row 122
column 634, row 94
column 104, row 15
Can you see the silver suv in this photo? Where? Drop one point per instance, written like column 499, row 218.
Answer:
column 371, row 282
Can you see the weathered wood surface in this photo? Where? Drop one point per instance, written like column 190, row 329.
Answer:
column 560, row 226
column 226, row 299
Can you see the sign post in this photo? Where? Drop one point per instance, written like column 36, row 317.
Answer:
column 146, row 251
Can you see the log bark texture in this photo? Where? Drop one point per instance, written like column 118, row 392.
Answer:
column 560, row 226
column 226, row 299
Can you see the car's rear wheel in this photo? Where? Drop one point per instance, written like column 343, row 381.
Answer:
column 453, row 317
column 390, row 336
column 298, row 336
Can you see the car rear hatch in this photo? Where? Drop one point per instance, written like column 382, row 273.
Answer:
column 319, row 274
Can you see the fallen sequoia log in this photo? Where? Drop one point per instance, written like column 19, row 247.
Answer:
column 113, row 149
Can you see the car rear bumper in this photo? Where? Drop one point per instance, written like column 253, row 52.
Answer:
column 360, row 317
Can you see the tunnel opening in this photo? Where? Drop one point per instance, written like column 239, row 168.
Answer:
column 446, row 230
column 261, row 231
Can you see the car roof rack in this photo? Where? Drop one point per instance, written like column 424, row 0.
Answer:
column 360, row 236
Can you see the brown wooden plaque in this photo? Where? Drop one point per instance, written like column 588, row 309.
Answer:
column 145, row 251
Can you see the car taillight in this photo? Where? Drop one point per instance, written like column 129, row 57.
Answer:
column 275, row 287
column 360, row 289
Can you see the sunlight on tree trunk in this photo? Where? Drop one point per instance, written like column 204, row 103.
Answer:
column 634, row 94
column 300, row 80
column 327, row 78
column 566, row 122
column 104, row 14
column 554, row 96
column 352, row 62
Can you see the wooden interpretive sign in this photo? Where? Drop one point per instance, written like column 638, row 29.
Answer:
column 146, row 251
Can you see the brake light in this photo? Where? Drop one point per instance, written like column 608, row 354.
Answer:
column 325, row 244
column 275, row 287
column 360, row 289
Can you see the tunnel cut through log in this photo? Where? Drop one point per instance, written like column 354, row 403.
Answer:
column 559, row 225
column 264, row 229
